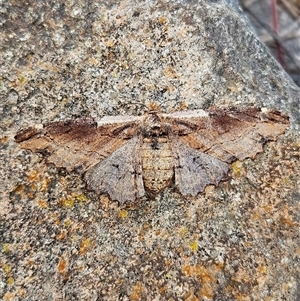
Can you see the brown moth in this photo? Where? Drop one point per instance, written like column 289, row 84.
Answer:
column 130, row 157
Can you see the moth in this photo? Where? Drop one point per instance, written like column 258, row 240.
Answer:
column 132, row 157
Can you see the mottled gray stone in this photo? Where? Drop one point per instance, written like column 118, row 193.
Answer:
column 60, row 59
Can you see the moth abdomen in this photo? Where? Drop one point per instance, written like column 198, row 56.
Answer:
column 157, row 163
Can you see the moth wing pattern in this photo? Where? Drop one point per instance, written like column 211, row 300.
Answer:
column 108, row 151
column 229, row 134
column 120, row 174
column 78, row 144
column 195, row 170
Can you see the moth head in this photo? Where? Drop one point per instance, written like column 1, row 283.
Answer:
column 153, row 126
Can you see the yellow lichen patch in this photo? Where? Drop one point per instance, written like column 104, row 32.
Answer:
column 67, row 223
column 7, row 268
column 84, row 246
column 10, row 281
column 137, row 292
column 68, row 203
column 193, row 246
column 5, row 248
column 183, row 231
column 62, row 266
column 42, row 203
column 82, row 199
column 237, row 168
column 123, row 213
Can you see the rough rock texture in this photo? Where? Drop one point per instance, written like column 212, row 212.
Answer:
column 60, row 59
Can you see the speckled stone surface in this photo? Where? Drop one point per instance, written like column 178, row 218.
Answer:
column 61, row 59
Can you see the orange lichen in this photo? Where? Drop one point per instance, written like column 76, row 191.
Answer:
column 183, row 106
column 262, row 269
column 4, row 139
column 162, row 20
column 9, row 296
column 163, row 289
column 45, row 183
column 241, row 275
column 42, row 203
column 200, row 271
column 33, row 175
column 206, row 291
column 153, row 106
column 62, row 265
column 206, row 276
column 168, row 262
column 20, row 189
column 287, row 221
column 62, row 235
column 190, row 296
column 137, row 292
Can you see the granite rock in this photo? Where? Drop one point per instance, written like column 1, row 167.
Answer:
column 62, row 59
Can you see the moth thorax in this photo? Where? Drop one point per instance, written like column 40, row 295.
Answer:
column 157, row 163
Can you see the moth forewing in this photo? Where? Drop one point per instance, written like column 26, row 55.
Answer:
column 118, row 119
column 125, row 155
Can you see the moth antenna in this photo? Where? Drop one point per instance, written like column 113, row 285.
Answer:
column 140, row 104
